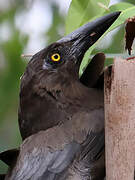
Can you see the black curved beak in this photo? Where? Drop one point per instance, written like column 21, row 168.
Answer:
column 85, row 36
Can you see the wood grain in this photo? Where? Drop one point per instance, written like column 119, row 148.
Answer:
column 120, row 120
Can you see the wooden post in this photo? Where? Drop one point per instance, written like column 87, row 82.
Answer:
column 120, row 120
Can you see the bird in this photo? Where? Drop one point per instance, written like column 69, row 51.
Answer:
column 61, row 116
column 51, row 84
column 95, row 70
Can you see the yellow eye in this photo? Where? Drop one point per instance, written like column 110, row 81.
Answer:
column 55, row 57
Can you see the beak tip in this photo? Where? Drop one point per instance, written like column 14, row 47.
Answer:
column 117, row 13
column 91, row 26
column 113, row 16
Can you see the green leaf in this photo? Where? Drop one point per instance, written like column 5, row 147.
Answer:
column 82, row 11
column 120, row 6
column 130, row 12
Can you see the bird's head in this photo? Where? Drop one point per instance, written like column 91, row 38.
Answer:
column 61, row 60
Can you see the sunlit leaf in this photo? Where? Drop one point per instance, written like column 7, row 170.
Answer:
column 82, row 11
column 130, row 12
column 120, row 6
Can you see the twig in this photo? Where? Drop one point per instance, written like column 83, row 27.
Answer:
column 26, row 55
column 131, row 58
column 103, row 6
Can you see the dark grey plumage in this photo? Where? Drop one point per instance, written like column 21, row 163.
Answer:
column 68, row 159
column 61, row 117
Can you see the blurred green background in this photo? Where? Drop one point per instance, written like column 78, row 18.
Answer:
column 27, row 26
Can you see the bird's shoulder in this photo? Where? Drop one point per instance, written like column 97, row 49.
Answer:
column 42, row 155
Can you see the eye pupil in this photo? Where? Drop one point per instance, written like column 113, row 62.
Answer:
column 56, row 56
